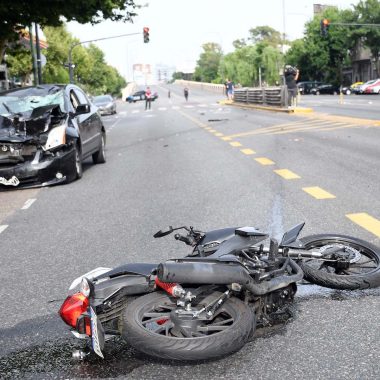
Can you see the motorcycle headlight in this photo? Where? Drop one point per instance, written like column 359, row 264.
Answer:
column 56, row 137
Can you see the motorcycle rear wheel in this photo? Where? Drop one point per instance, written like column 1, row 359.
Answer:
column 361, row 274
column 147, row 325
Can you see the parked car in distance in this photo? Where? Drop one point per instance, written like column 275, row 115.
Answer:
column 325, row 89
column 46, row 132
column 373, row 88
column 140, row 95
column 106, row 104
column 360, row 89
column 351, row 89
column 305, row 87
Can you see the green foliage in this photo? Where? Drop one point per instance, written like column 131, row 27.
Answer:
column 16, row 15
column 265, row 34
column 323, row 58
column 91, row 70
column 19, row 63
column 368, row 12
column 208, row 63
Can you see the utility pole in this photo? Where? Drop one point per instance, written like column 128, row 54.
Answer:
column 38, row 49
column 33, row 51
column 70, row 64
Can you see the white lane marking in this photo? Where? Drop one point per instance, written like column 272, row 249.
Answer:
column 112, row 125
column 189, row 106
column 3, row 228
column 162, row 109
column 136, row 111
column 28, row 203
column 175, row 108
column 123, row 112
column 149, row 115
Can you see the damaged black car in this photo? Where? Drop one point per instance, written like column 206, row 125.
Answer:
column 46, row 132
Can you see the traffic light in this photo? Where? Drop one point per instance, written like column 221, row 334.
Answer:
column 325, row 24
column 146, row 34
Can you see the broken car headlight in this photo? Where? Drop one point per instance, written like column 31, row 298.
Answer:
column 56, row 137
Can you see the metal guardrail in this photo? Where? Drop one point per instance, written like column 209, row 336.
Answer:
column 267, row 96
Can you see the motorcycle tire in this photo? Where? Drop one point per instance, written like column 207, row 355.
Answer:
column 361, row 274
column 144, row 320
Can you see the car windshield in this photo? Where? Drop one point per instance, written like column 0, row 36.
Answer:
column 102, row 99
column 25, row 100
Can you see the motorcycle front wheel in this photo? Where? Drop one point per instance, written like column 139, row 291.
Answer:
column 362, row 271
column 153, row 324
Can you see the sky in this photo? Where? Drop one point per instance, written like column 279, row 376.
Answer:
column 179, row 28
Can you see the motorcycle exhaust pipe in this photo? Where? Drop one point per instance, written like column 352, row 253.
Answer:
column 195, row 272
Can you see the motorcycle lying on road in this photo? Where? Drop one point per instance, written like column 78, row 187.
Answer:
column 208, row 304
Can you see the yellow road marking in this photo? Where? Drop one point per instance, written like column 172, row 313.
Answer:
column 366, row 221
column 311, row 128
column 286, row 174
column 235, row 143
column 247, row 151
column 197, row 122
column 213, row 130
column 219, row 134
column 272, row 128
column 208, row 128
column 318, row 193
column 226, row 138
column 264, row 161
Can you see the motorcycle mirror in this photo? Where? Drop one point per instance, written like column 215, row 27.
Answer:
column 161, row 233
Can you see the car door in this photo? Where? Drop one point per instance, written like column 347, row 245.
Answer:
column 89, row 124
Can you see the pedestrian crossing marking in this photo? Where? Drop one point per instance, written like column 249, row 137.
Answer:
column 318, row 193
column 264, row 161
column 235, row 144
column 218, row 134
column 226, row 138
column 247, row 151
column 366, row 221
column 162, row 108
column 213, row 130
column 286, row 174
column 136, row 111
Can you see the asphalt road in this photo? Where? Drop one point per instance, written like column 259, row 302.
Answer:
column 210, row 166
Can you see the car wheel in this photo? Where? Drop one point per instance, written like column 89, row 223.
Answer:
column 335, row 93
column 348, row 92
column 317, row 93
column 75, row 171
column 99, row 157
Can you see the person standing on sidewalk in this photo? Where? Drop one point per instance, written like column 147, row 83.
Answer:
column 291, row 76
column 148, row 98
column 230, row 89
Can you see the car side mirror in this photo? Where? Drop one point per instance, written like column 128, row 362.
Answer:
column 82, row 109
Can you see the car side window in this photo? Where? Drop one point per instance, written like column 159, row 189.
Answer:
column 81, row 96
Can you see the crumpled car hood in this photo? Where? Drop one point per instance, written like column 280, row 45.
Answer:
column 22, row 128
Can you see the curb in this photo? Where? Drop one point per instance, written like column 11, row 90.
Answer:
column 266, row 108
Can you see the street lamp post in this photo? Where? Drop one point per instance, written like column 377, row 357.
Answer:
column 71, row 66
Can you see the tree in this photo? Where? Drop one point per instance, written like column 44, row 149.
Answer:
column 15, row 15
column 368, row 12
column 19, row 63
column 265, row 34
column 208, row 62
column 323, row 58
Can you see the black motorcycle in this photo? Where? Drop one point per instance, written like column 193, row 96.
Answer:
column 209, row 303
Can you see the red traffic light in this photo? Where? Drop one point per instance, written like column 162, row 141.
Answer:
column 146, row 34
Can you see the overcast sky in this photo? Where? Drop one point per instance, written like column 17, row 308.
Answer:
column 178, row 28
